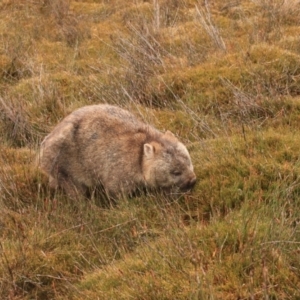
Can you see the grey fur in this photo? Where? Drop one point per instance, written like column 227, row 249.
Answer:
column 107, row 145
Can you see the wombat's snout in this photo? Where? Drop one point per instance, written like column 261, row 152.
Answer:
column 192, row 182
column 189, row 184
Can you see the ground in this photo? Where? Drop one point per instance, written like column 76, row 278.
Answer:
column 225, row 78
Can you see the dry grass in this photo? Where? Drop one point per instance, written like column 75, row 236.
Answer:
column 224, row 77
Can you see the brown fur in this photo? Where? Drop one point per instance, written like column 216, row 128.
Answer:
column 106, row 145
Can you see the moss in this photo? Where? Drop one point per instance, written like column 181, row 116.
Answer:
column 264, row 71
column 224, row 270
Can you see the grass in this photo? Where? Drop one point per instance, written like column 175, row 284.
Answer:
column 224, row 77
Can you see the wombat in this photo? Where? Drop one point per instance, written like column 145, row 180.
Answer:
column 105, row 145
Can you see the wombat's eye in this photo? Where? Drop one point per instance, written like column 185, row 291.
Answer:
column 176, row 173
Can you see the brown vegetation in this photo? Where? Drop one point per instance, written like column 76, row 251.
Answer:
column 223, row 76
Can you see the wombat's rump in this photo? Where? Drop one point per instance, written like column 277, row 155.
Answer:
column 104, row 145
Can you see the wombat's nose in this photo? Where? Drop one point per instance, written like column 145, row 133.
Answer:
column 192, row 182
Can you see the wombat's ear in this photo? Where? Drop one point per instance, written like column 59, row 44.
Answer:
column 170, row 134
column 148, row 150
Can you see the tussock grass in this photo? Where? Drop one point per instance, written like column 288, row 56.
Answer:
column 224, row 77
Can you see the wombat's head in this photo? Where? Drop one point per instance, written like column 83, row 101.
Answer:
column 167, row 164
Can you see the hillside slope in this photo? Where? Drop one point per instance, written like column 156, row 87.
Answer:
column 225, row 78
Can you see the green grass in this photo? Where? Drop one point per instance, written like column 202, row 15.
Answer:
column 230, row 91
